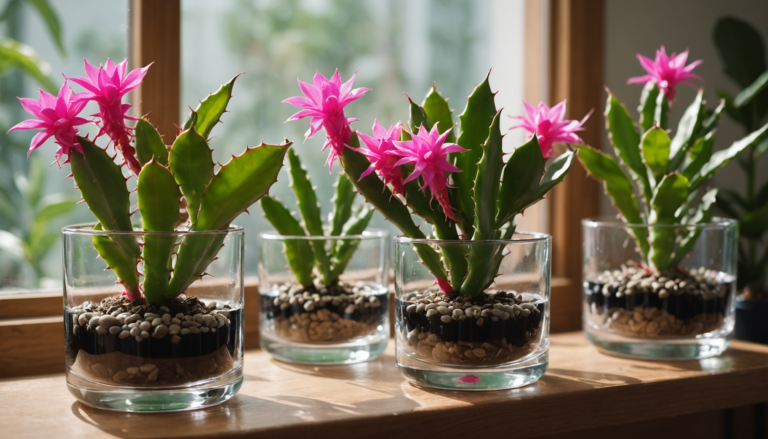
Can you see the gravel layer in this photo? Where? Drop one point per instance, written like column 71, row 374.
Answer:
column 333, row 313
column 494, row 327
column 639, row 302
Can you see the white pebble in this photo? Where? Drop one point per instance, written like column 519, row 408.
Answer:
column 135, row 332
column 185, row 331
column 115, row 329
column 175, row 339
column 125, row 334
column 144, row 334
column 144, row 326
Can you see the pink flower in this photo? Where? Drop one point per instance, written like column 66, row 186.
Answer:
column 324, row 101
column 549, row 126
column 430, row 158
column 57, row 117
column 377, row 152
column 107, row 85
column 666, row 71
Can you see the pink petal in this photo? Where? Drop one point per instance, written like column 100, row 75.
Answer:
column 31, row 106
column 38, row 140
column 311, row 92
column 300, row 101
column 30, row 124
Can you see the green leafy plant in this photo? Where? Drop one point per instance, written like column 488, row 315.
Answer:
column 214, row 198
column 412, row 173
column 742, row 52
column 670, row 173
column 330, row 257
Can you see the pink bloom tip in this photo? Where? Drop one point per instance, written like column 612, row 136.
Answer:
column 549, row 125
column 429, row 155
column 324, row 101
column 57, row 117
column 667, row 71
column 378, row 150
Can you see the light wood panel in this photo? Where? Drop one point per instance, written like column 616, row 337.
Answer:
column 155, row 34
column 582, row 390
column 576, row 75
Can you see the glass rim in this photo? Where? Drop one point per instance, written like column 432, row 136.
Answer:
column 611, row 222
column 533, row 237
column 368, row 234
column 87, row 229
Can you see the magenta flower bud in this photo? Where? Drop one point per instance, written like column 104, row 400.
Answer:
column 667, row 71
column 549, row 125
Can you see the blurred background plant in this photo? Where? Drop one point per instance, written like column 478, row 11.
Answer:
column 26, row 232
column 742, row 52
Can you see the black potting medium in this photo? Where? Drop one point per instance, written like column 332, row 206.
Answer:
column 190, row 345
column 513, row 329
column 360, row 314
column 683, row 306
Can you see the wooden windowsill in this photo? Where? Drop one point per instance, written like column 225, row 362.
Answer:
column 582, row 390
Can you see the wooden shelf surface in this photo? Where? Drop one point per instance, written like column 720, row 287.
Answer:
column 583, row 389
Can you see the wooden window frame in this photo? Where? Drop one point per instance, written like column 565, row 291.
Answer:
column 565, row 35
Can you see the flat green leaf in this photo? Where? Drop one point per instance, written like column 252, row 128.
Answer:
column 438, row 112
column 486, row 190
column 748, row 94
column 54, row 205
column 521, row 178
column 207, row 114
column 51, row 18
column 721, row 158
column 619, row 188
column 159, row 198
column 342, row 204
column 298, row 252
column 24, row 58
column 624, row 138
column 149, row 144
column 647, row 108
column 699, row 155
column 656, row 147
column 191, row 162
column 687, row 129
column 741, row 50
column 239, row 184
column 475, row 123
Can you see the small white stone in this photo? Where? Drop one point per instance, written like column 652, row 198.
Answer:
column 102, row 330
column 194, row 330
column 204, row 329
column 147, row 368
column 125, row 334
column 309, row 305
column 165, row 308
column 349, row 309
column 184, row 331
column 176, row 328
column 446, row 319
column 480, row 321
column 176, row 321
column 479, row 353
column 144, row 326
column 157, row 321
column 115, row 329
column 135, row 331
column 144, row 334
column 138, row 338
column 175, row 339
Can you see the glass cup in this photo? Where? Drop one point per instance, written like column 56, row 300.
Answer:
column 497, row 339
column 683, row 312
column 344, row 321
column 133, row 356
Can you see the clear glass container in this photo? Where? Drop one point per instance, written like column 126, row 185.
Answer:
column 344, row 322
column 684, row 312
column 497, row 339
column 133, row 356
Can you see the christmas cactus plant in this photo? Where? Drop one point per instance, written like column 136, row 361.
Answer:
column 670, row 172
column 169, row 179
column 678, row 280
column 460, row 185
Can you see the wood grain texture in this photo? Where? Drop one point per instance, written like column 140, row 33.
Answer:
column 38, row 304
column 155, row 34
column 582, row 390
column 31, row 346
column 576, row 75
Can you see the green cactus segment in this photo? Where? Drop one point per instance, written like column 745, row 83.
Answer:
column 159, row 199
column 554, row 176
column 486, row 193
column 656, row 152
column 487, row 182
column 298, row 252
column 521, row 178
column 122, row 263
column 342, row 204
column 310, row 212
column 699, row 155
column 149, row 144
column 191, row 119
column 239, row 184
column 427, row 208
column 703, row 215
column 375, row 192
column 474, row 127
column 625, row 140
column 687, row 131
column 207, row 114
column 438, row 112
column 196, row 252
column 668, row 197
column 721, row 158
column 192, row 165
column 647, row 108
column 346, row 248
column 104, row 189
column 661, row 112
column 619, row 188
